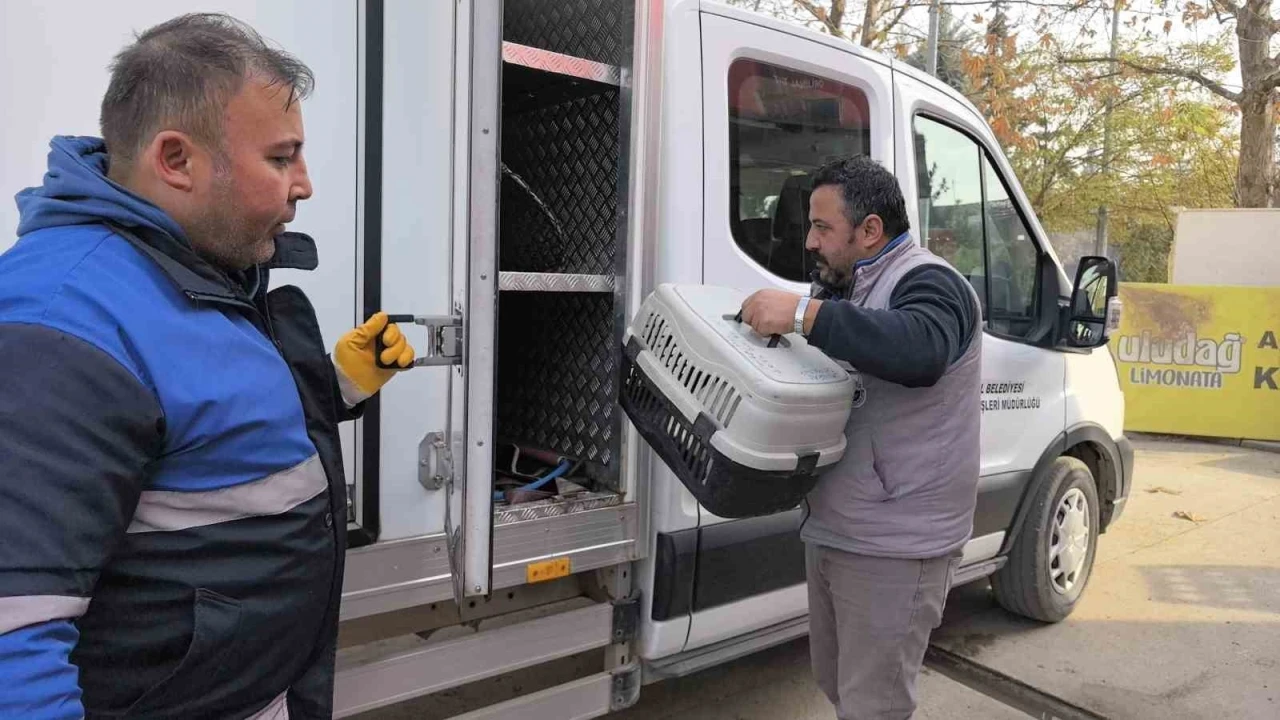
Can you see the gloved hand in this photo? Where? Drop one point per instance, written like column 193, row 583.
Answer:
column 359, row 376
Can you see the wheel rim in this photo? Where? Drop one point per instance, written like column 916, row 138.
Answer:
column 1069, row 542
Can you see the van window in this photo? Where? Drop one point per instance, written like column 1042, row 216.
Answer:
column 951, row 198
column 970, row 220
column 784, row 125
column 1013, row 258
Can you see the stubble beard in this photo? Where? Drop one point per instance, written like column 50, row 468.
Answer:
column 223, row 237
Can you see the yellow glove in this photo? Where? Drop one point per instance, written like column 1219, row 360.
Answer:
column 359, row 376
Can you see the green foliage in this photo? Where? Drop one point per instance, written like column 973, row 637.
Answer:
column 1171, row 143
column 954, row 39
column 1144, row 256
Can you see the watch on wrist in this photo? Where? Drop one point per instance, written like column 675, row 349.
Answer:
column 800, row 310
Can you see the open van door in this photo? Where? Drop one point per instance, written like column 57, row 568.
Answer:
column 467, row 455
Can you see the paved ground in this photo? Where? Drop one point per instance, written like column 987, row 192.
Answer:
column 1181, row 618
column 776, row 685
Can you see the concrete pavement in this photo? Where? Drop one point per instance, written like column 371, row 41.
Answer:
column 776, row 684
column 1181, row 618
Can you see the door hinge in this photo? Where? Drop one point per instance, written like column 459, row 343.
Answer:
column 444, row 339
column 626, row 687
column 435, row 461
column 626, row 618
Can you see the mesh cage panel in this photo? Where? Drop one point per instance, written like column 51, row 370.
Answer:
column 718, row 397
column 722, row 486
column 567, row 153
column 557, row 375
column 599, row 30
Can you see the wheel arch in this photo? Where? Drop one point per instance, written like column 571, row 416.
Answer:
column 1091, row 444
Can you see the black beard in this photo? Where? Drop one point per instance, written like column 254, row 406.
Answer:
column 828, row 289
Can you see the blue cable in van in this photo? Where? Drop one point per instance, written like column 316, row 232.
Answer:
column 561, row 469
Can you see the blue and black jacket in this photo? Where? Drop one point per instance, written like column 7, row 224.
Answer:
column 172, row 498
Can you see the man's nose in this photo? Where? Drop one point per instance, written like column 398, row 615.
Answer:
column 301, row 189
column 810, row 242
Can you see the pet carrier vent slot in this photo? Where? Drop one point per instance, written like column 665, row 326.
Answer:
column 716, row 396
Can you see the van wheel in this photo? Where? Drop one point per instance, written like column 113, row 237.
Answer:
column 1052, row 557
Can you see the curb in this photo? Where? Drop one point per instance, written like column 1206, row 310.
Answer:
column 1267, row 446
column 1263, row 445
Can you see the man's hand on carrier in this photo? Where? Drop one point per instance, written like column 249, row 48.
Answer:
column 773, row 312
column 359, row 376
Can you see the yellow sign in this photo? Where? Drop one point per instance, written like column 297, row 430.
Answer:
column 1199, row 360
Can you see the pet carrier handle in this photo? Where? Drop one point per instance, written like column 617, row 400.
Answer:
column 773, row 339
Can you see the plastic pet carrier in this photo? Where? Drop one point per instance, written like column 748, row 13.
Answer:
column 746, row 423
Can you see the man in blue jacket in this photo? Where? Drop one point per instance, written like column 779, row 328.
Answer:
column 172, row 498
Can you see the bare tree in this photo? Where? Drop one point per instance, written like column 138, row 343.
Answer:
column 872, row 31
column 832, row 17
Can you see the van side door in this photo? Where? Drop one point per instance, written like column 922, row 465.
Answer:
column 777, row 105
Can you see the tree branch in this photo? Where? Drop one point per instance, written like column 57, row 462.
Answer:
column 1194, row 76
column 1059, row 160
column 831, row 24
column 1270, row 81
column 869, row 18
column 1228, row 6
column 902, row 11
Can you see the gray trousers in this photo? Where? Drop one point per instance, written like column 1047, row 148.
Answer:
column 869, row 624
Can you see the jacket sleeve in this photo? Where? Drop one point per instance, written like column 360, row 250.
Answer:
column 928, row 326
column 77, row 431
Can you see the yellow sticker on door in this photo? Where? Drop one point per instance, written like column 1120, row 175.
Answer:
column 547, row 570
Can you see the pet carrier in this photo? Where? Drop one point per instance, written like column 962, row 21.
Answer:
column 747, row 423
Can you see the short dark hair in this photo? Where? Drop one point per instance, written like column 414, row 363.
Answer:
column 868, row 189
column 181, row 74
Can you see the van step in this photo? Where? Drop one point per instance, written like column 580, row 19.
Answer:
column 415, row 571
column 589, row 697
column 399, row 674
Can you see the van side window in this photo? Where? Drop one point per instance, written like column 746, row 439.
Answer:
column 950, row 173
column 1013, row 258
column 970, row 220
column 784, row 125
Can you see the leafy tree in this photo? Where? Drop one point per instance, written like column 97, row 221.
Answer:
column 1172, row 144
column 1204, row 62
column 954, row 40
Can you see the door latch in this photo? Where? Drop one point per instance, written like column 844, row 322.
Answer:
column 444, row 340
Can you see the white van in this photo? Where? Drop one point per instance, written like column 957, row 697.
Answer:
column 519, row 178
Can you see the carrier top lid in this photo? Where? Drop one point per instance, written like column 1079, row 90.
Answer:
column 793, row 361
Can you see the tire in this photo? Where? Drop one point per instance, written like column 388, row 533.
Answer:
column 1037, row 582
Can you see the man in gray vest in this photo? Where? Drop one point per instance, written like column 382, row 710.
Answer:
column 886, row 526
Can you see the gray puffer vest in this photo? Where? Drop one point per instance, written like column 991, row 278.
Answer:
column 907, row 484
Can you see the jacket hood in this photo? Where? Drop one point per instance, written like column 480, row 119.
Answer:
column 77, row 191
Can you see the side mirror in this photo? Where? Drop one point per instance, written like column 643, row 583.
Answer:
column 1095, row 308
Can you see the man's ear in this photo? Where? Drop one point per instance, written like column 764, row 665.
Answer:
column 873, row 230
column 172, row 157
